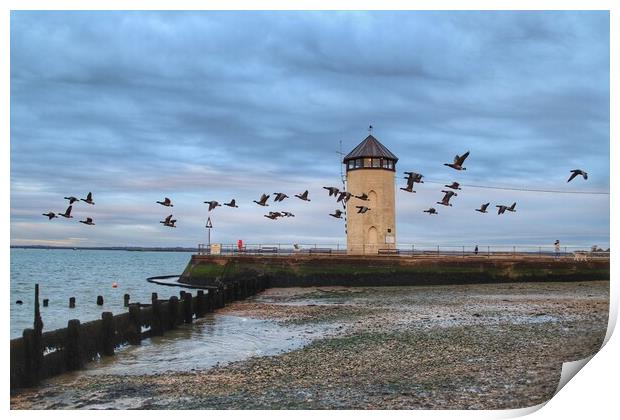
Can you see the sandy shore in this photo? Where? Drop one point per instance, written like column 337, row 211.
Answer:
column 456, row 347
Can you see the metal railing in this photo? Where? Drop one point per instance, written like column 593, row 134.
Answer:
column 410, row 250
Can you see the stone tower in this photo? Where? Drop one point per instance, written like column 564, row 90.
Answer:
column 371, row 168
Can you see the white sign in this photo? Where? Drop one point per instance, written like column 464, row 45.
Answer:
column 216, row 249
column 389, row 239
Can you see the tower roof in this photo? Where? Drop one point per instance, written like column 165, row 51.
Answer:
column 370, row 147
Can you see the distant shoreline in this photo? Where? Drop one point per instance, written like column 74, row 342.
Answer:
column 108, row 248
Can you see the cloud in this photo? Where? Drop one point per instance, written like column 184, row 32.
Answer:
column 135, row 106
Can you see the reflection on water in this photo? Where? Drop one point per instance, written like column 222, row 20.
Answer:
column 212, row 340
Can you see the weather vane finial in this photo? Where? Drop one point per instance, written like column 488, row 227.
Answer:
column 370, row 129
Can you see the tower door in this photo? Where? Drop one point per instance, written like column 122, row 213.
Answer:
column 372, row 236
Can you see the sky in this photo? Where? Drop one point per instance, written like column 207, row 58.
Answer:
column 199, row 106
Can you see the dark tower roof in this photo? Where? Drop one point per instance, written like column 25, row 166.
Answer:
column 369, row 148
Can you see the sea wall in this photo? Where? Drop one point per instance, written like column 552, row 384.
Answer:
column 308, row 270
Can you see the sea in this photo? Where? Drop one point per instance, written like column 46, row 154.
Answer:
column 86, row 274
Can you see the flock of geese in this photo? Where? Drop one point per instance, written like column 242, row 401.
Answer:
column 67, row 214
column 340, row 196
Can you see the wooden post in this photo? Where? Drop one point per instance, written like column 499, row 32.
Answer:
column 100, row 300
column 37, row 346
column 157, row 325
column 173, row 312
column 187, row 308
column 107, row 333
column 30, row 354
column 126, row 300
column 200, row 308
column 71, row 302
column 135, row 330
column 73, row 356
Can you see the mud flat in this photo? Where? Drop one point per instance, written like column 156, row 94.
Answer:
column 485, row 346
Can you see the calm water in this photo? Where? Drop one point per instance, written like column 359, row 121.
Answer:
column 85, row 274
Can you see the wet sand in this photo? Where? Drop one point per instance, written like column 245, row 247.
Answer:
column 436, row 347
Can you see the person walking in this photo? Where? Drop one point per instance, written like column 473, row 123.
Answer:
column 476, row 250
column 556, row 245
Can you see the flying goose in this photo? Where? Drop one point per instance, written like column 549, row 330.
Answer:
column 483, row 208
column 362, row 209
column 512, row 207
column 88, row 221
column 67, row 213
column 454, row 186
column 263, row 200
column 332, row 191
column 409, row 187
column 232, row 204
column 167, row 202
column 344, row 195
column 168, row 221
column 415, row 176
column 337, row 214
column 458, row 162
column 273, row 215
column 212, row 204
column 50, row 215
column 72, row 199
column 303, row 196
column 363, row 197
column 576, row 172
column 449, row 194
column 501, row 209
column 280, row 196
column 431, row 211
column 445, row 201
column 88, row 199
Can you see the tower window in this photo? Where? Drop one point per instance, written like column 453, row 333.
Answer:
column 376, row 163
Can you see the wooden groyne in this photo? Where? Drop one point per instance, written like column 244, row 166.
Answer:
column 39, row 355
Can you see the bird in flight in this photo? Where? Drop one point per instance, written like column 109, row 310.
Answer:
column 332, row 191
column 263, row 200
column 483, row 208
column 72, row 199
column 337, row 214
column 273, row 215
column 167, row 202
column 362, row 209
column 445, row 201
column 232, row 204
column 212, row 204
column 280, row 196
column 287, row 214
column 303, row 196
column 363, row 197
column 88, row 199
column 415, row 176
column 431, row 211
column 67, row 213
column 50, row 215
column 576, row 172
column 169, row 221
column 409, row 187
column 344, row 195
column 454, row 186
column 88, row 221
column 458, row 162
column 501, row 209
column 512, row 207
